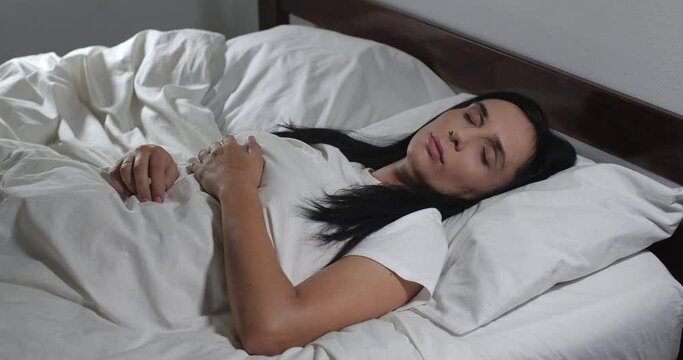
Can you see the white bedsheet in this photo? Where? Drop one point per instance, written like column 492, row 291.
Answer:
column 86, row 275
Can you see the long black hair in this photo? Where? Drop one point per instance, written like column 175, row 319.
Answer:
column 353, row 213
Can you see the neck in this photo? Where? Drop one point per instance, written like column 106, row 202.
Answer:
column 396, row 173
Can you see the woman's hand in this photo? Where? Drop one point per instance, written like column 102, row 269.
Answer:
column 226, row 165
column 147, row 171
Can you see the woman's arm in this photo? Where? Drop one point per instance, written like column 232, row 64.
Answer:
column 258, row 290
column 271, row 314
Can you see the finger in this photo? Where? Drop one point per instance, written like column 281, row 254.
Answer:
column 117, row 184
column 126, row 172
column 254, row 147
column 172, row 174
column 192, row 166
column 188, row 167
column 202, row 155
column 157, row 174
column 141, row 175
column 229, row 141
column 216, row 148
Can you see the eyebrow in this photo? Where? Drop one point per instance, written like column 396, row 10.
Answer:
column 497, row 145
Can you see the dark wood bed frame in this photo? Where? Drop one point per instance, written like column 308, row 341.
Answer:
column 640, row 133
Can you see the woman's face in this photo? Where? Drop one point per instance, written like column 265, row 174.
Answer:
column 472, row 150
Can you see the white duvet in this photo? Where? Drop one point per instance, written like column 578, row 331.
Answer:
column 84, row 274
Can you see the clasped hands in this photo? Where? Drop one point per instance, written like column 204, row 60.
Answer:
column 149, row 170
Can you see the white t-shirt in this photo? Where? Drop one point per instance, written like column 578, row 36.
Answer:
column 414, row 246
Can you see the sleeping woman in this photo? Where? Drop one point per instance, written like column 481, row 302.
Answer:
column 377, row 208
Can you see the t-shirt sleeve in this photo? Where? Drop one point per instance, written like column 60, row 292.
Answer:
column 414, row 247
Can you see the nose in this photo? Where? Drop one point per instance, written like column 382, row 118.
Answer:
column 462, row 137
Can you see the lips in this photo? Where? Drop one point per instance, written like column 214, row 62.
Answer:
column 434, row 148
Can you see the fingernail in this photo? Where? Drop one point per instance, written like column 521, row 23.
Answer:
column 158, row 199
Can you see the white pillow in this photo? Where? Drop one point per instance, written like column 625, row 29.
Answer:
column 514, row 246
column 319, row 78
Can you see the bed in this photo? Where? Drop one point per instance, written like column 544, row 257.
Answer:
column 69, row 289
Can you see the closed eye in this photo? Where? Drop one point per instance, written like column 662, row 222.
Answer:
column 469, row 119
column 483, row 157
column 475, row 119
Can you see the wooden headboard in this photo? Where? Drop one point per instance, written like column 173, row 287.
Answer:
column 630, row 129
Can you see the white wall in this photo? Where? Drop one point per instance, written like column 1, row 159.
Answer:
column 35, row 26
column 632, row 46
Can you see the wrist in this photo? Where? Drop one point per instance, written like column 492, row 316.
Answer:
column 234, row 190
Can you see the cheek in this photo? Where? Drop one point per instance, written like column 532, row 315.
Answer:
column 468, row 172
column 423, row 166
column 417, row 147
column 419, row 160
